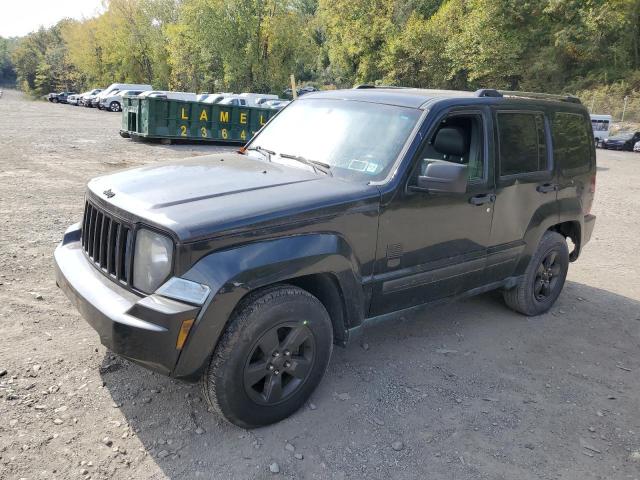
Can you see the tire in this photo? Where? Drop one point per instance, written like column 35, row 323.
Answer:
column 55, row 100
column 252, row 357
column 115, row 107
column 539, row 287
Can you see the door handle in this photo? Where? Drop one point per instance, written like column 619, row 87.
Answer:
column 482, row 199
column 547, row 188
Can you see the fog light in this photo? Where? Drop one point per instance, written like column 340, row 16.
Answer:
column 183, row 333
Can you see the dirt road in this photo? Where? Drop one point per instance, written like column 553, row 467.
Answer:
column 471, row 390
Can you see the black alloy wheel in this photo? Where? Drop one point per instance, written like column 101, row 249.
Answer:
column 537, row 290
column 271, row 357
column 279, row 363
column 547, row 277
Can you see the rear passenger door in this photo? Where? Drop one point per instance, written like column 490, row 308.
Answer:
column 526, row 185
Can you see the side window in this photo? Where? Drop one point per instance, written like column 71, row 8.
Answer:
column 470, row 151
column 571, row 142
column 523, row 144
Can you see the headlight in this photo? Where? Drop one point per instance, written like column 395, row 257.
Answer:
column 152, row 260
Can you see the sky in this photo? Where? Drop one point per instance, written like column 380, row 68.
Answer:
column 19, row 17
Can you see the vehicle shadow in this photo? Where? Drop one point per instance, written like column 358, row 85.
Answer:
column 434, row 370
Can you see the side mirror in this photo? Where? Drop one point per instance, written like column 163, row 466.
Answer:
column 444, row 177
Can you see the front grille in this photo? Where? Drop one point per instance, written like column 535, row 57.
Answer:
column 107, row 242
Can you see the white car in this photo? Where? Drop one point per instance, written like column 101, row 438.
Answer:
column 73, row 99
column 257, row 99
column 276, row 104
column 234, row 100
column 113, row 102
column 117, row 87
column 85, row 97
column 216, row 97
column 187, row 96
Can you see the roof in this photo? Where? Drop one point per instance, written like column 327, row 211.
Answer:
column 420, row 97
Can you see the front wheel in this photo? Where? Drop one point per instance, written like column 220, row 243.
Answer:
column 114, row 107
column 539, row 287
column 273, row 354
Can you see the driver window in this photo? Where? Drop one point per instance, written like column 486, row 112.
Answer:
column 458, row 139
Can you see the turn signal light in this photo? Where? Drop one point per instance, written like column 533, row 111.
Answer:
column 182, row 334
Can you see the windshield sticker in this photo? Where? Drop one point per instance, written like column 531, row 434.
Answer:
column 358, row 165
column 372, row 168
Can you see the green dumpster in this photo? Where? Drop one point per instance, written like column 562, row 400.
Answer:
column 152, row 117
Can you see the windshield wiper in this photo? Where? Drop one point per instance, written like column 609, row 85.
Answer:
column 266, row 153
column 315, row 164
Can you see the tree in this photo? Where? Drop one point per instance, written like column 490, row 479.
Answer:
column 7, row 70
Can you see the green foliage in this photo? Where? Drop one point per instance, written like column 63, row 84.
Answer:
column 238, row 45
column 41, row 62
column 7, row 71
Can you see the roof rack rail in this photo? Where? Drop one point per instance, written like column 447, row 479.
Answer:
column 369, row 85
column 490, row 92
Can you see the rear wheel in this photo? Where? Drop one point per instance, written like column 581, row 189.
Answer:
column 539, row 287
column 271, row 357
column 114, row 107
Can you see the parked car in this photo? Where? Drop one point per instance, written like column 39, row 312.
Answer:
column 216, row 97
column 300, row 91
column 257, row 99
column 115, row 87
column 87, row 100
column 600, row 125
column 347, row 208
column 187, row 96
column 622, row 141
column 113, row 102
column 276, row 104
column 59, row 97
column 73, row 99
column 86, row 96
column 234, row 100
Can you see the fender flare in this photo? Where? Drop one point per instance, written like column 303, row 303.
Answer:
column 542, row 220
column 232, row 274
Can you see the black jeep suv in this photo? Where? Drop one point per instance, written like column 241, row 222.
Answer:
column 244, row 269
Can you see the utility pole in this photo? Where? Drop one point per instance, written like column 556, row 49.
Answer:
column 624, row 110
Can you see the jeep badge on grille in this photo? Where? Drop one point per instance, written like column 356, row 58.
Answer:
column 109, row 193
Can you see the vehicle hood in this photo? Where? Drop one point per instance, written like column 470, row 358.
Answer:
column 205, row 196
column 619, row 139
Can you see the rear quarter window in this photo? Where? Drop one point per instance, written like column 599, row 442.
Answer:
column 522, row 142
column 572, row 148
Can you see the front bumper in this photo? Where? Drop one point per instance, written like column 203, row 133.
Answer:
column 141, row 329
column 613, row 146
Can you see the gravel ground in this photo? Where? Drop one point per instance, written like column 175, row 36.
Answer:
column 465, row 391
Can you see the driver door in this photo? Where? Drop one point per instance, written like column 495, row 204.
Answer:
column 434, row 245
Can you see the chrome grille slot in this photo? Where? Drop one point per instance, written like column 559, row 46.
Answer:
column 107, row 242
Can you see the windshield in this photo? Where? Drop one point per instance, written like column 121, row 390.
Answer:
column 358, row 140
column 624, row 136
